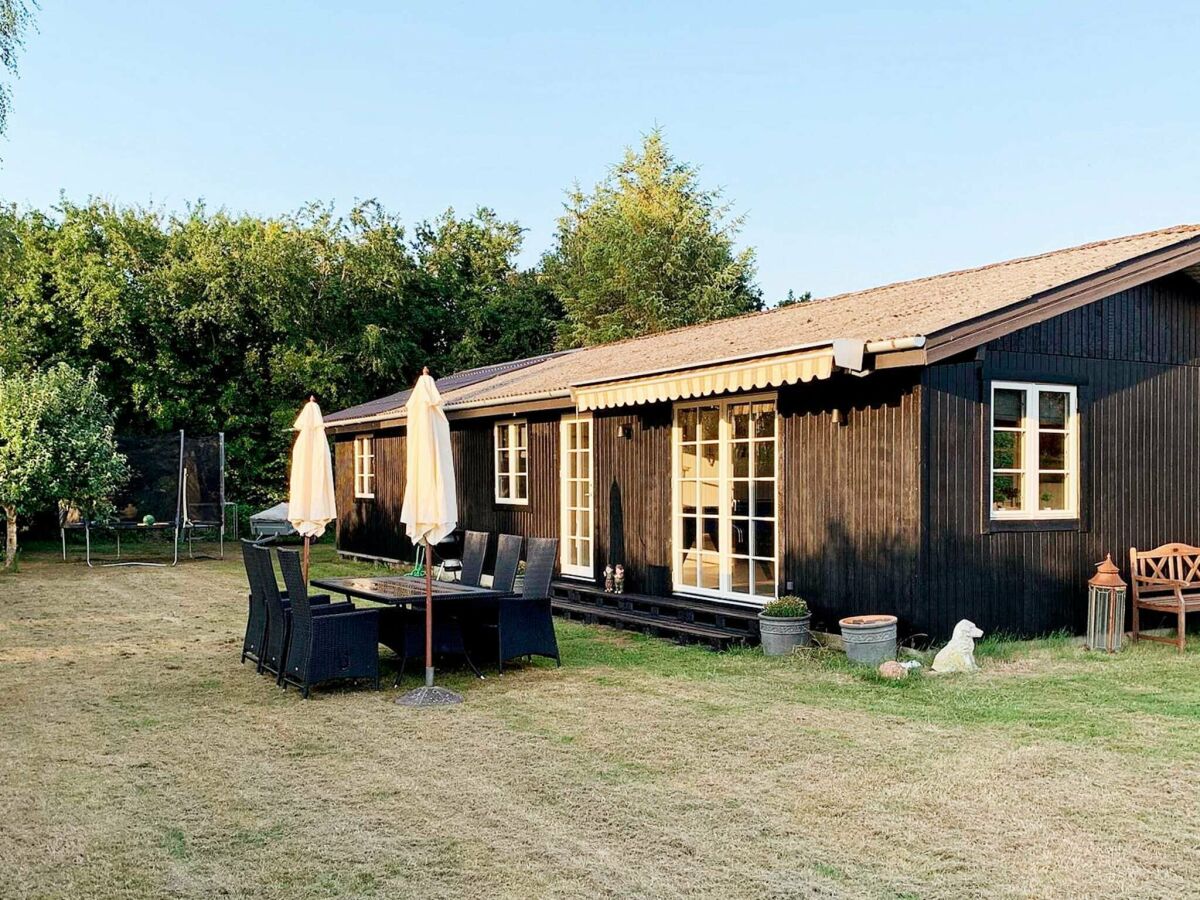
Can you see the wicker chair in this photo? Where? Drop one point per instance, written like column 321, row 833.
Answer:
column 261, row 572
column 256, row 621
column 474, row 550
column 326, row 646
column 525, row 624
column 508, row 558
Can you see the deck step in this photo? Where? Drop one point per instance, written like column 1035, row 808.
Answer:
column 681, row 618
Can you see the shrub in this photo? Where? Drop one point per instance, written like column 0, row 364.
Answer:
column 788, row 607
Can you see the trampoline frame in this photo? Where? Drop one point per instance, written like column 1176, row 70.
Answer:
column 182, row 525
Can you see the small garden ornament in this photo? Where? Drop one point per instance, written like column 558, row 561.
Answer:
column 959, row 654
column 608, row 580
column 619, row 579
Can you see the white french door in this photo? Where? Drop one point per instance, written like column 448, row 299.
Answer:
column 724, row 498
column 575, row 476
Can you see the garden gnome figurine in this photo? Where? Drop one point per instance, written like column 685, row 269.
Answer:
column 619, row 579
column 959, row 654
column 608, row 579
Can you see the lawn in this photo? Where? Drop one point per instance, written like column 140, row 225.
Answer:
column 139, row 759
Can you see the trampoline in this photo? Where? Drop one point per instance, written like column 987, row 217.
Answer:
column 176, row 490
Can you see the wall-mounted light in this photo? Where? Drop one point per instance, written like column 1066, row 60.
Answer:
column 841, row 417
column 625, row 430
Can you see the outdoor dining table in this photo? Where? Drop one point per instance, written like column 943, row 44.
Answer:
column 404, row 590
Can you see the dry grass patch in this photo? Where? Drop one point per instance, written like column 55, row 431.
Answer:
column 138, row 759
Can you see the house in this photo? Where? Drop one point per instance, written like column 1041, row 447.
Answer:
column 961, row 446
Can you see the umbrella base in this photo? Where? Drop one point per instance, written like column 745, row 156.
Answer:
column 429, row 696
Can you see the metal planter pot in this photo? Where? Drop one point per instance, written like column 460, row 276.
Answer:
column 781, row 635
column 869, row 639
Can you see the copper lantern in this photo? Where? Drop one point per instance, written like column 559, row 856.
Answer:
column 1106, row 608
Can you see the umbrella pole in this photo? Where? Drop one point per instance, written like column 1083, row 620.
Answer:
column 428, row 618
column 305, row 562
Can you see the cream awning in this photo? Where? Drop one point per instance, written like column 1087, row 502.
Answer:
column 705, row 381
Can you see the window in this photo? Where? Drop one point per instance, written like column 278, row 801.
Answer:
column 724, row 486
column 512, row 462
column 364, row 467
column 576, row 494
column 1035, row 451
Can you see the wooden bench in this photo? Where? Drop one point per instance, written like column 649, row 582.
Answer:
column 1165, row 579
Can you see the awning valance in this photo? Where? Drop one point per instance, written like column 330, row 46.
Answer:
column 722, row 378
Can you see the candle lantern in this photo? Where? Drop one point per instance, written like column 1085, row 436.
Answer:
column 1106, row 608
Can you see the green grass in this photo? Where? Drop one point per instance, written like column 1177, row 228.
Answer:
column 141, row 760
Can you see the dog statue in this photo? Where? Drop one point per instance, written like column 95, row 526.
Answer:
column 959, row 654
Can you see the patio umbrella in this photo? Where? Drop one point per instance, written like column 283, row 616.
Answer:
column 430, row 508
column 311, row 503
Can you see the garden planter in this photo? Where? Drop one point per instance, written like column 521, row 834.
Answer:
column 781, row 635
column 869, row 639
column 519, row 584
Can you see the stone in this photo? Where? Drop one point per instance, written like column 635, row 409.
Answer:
column 892, row 669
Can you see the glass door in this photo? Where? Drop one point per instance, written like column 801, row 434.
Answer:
column 725, row 498
column 575, row 454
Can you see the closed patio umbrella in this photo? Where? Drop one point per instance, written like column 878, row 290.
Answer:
column 430, row 508
column 311, row 503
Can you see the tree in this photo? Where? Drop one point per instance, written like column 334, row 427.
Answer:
column 16, row 17
column 793, row 298
column 649, row 249
column 56, row 446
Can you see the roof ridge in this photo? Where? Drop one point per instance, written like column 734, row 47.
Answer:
column 906, row 281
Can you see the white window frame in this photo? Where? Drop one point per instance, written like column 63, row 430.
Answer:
column 1030, row 469
column 566, row 505
column 512, row 473
column 364, row 467
column 725, row 518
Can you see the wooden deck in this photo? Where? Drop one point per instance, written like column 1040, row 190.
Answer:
column 683, row 619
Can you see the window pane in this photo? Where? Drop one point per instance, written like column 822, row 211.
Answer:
column 710, row 571
column 764, row 420
column 764, row 499
column 569, row 550
column 710, row 531
column 687, row 424
column 709, row 418
column 689, row 534
column 1052, row 492
column 503, row 463
column 741, row 460
column 764, row 578
column 501, row 435
column 1008, row 449
column 687, row 460
column 1006, row 492
column 710, row 498
column 1052, row 409
column 709, row 457
column 740, row 529
column 1052, row 451
column 764, row 459
column 741, row 498
column 687, row 571
column 585, row 435
column 583, row 494
column 687, row 497
column 522, row 460
column 764, row 538
column 521, row 436
column 740, row 417
column 741, row 576
column 522, row 489
column 1008, row 408
column 503, row 487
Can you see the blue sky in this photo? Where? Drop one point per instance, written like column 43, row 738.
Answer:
column 865, row 143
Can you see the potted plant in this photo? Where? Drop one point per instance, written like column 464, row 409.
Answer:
column 519, row 581
column 783, row 625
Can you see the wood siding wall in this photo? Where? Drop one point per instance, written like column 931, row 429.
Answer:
column 1134, row 357
column 851, row 496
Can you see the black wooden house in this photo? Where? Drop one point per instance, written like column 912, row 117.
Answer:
column 961, row 446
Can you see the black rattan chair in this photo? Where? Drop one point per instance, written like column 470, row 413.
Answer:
column 256, row 621
column 328, row 645
column 508, row 558
column 261, row 572
column 525, row 624
column 474, row 550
